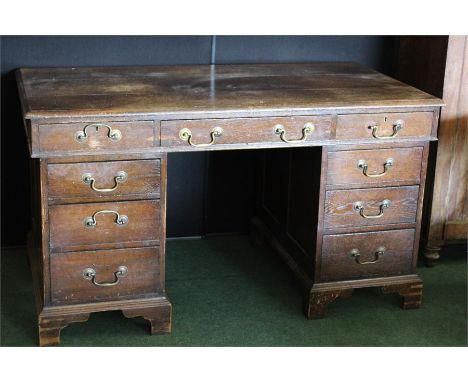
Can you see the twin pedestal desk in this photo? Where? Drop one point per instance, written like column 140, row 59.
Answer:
column 342, row 205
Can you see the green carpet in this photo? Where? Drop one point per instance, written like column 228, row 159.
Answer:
column 227, row 293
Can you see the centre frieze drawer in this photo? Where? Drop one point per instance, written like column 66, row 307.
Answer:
column 208, row 132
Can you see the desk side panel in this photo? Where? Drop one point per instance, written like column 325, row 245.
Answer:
column 290, row 201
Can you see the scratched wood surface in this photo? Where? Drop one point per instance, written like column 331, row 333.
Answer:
column 68, row 231
column 65, row 92
column 337, row 263
column 66, row 181
column 343, row 170
column 340, row 206
column 68, row 286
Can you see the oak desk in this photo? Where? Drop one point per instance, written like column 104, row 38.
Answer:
column 343, row 207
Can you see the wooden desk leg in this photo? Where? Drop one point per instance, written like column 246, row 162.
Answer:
column 431, row 253
column 317, row 301
column 159, row 316
column 50, row 327
column 411, row 293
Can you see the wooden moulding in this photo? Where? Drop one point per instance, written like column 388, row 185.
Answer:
column 158, row 311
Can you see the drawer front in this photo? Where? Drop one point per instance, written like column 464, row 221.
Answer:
column 72, row 273
column 363, row 168
column 355, row 208
column 76, row 227
column 384, row 126
column 245, row 130
column 92, row 181
column 94, row 137
column 366, row 255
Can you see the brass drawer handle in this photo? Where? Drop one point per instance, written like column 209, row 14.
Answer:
column 90, row 221
column 356, row 255
column 120, row 177
column 90, row 274
column 186, row 135
column 397, row 126
column 113, row 134
column 358, row 206
column 362, row 165
column 279, row 129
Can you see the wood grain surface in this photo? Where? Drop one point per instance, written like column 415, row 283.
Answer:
column 337, row 263
column 356, row 126
column 246, row 130
column 55, row 92
column 343, row 170
column 69, row 286
column 450, row 197
column 60, row 137
column 340, row 211
column 69, row 233
column 66, row 183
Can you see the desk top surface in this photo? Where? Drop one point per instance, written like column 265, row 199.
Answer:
column 65, row 92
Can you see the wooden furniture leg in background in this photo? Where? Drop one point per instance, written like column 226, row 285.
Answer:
column 431, row 252
column 439, row 65
column 449, row 210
